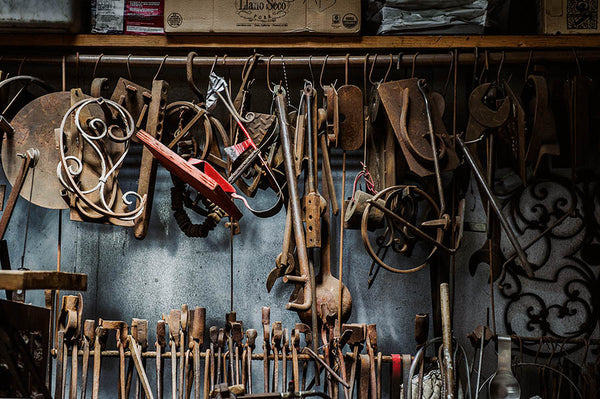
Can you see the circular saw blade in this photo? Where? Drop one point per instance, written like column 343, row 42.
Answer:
column 34, row 127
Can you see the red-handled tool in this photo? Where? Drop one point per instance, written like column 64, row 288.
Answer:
column 198, row 174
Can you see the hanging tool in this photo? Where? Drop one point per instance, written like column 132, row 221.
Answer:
column 504, row 384
column 356, row 341
column 173, row 319
column 135, row 348
column 276, row 336
column 160, row 347
column 266, row 320
column 183, row 321
column 88, row 338
column 196, row 342
column 298, row 228
column 372, row 350
column 101, row 336
column 448, row 361
column 30, row 159
column 147, row 179
column 251, row 335
column 487, row 191
column 284, row 351
column 213, row 333
column 69, row 329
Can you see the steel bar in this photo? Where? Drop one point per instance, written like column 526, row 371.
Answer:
column 383, row 60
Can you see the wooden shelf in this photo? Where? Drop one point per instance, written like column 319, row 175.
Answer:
column 12, row 40
column 42, row 280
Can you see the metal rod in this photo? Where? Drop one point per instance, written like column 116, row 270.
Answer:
column 479, row 176
column 424, row 59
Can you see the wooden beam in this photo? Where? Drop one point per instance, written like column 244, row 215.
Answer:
column 42, row 280
column 13, row 40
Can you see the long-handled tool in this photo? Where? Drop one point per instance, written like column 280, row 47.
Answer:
column 197, row 342
column 87, row 339
column 101, row 335
column 173, row 319
column 276, row 335
column 160, row 347
column 266, row 320
column 356, row 342
column 251, row 335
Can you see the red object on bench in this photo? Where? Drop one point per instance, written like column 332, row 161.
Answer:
column 198, row 174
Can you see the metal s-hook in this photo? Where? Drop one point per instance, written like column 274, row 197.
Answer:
column 312, row 76
column 269, row 74
column 414, row 63
column 500, row 67
column 389, row 68
column 160, row 66
column 528, row 63
column 129, row 67
column 21, row 65
column 346, row 72
column 577, row 61
column 372, row 66
column 449, row 72
column 322, row 71
column 189, row 74
column 95, row 65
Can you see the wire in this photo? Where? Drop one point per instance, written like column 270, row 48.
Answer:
column 27, row 221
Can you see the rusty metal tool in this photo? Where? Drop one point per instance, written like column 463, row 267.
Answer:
column 364, row 381
column 421, row 335
column 371, row 350
column 101, row 335
column 447, row 340
column 87, row 340
column 306, row 330
column 147, row 179
column 130, row 364
column 30, row 159
column 356, row 341
column 298, row 227
column 221, row 366
column 122, row 335
column 197, row 341
column 237, row 334
column 487, row 191
column 182, row 340
column 142, row 341
column 173, row 319
column 284, row 351
column 251, row 335
column 160, row 347
column 229, row 376
column 331, row 371
column 295, row 366
column 276, row 336
column 266, row 320
column 135, row 349
column 69, row 327
column 214, row 337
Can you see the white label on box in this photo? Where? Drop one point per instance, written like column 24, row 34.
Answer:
column 109, row 16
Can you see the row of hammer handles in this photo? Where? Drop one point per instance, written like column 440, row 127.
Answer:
column 227, row 359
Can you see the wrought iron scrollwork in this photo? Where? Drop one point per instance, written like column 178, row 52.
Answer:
column 560, row 221
column 96, row 133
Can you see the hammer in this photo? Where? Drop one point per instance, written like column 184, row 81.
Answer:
column 356, row 341
column 266, row 319
column 101, row 335
column 197, row 342
column 237, row 334
column 160, row 346
column 88, row 337
column 276, row 333
column 251, row 335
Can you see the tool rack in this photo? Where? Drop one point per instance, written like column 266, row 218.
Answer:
column 405, row 51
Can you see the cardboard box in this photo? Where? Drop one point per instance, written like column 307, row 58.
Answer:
column 262, row 16
column 337, row 17
column 569, row 16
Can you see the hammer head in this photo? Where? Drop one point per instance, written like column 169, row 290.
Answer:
column 304, row 329
column 251, row 335
column 276, row 334
column 141, row 335
column 184, row 317
column 198, row 323
column 213, row 332
column 88, row 330
column 101, row 337
column 372, row 336
column 174, row 322
column 237, row 332
column 358, row 333
column 161, row 332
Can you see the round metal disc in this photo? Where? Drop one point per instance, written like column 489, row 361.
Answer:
column 34, row 127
